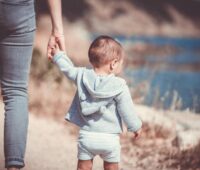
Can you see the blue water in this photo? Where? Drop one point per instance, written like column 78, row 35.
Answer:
column 166, row 83
column 189, row 43
column 184, row 57
column 169, row 87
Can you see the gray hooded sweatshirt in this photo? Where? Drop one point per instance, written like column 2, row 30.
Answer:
column 101, row 103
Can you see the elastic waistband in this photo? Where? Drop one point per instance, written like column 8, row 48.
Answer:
column 90, row 133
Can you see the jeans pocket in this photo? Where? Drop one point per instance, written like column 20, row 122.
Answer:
column 17, row 2
column 31, row 24
column 17, row 18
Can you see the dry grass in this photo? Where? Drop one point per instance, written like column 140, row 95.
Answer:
column 155, row 131
column 50, row 92
column 49, row 99
column 186, row 160
column 157, row 154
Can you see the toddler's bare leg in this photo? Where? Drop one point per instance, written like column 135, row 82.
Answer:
column 111, row 166
column 85, row 164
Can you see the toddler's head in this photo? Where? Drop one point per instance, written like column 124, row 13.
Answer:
column 106, row 54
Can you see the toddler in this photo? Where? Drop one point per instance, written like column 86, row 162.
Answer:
column 101, row 103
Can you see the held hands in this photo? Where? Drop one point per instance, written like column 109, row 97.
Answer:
column 54, row 51
column 55, row 44
column 137, row 134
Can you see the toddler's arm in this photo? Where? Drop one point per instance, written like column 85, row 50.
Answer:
column 65, row 64
column 125, row 108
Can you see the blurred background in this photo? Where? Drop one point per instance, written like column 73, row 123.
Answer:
column 160, row 39
column 162, row 44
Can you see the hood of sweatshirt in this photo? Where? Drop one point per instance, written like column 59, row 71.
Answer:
column 97, row 92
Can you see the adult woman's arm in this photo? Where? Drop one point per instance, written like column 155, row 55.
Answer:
column 57, row 35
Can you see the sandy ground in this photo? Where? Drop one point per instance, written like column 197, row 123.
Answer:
column 50, row 146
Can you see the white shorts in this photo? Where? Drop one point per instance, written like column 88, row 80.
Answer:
column 107, row 146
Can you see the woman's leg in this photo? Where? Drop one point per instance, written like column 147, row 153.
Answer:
column 111, row 166
column 16, row 40
column 14, row 90
column 85, row 164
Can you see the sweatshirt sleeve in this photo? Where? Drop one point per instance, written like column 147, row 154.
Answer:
column 65, row 65
column 125, row 108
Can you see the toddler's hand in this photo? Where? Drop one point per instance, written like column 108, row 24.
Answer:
column 137, row 134
column 54, row 39
column 54, row 51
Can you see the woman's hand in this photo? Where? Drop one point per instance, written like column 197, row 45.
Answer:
column 54, row 40
column 57, row 36
column 55, row 51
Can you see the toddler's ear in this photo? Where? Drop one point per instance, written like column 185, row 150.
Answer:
column 113, row 64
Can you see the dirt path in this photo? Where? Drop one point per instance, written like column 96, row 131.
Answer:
column 50, row 146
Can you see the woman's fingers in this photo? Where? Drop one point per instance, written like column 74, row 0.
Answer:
column 50, row 52
column 61, row 42
column 49, row 47
column 55, row 44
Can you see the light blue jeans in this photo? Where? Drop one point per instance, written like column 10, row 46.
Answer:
column 17, row 27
